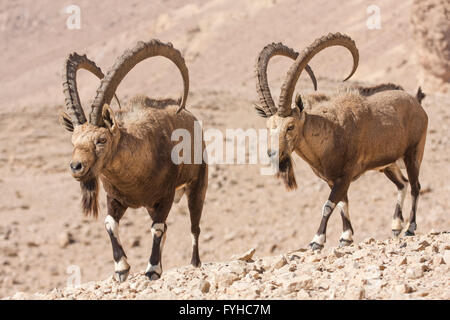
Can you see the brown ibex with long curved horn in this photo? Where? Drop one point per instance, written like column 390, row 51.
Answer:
column 131, row 153
column 346, row 134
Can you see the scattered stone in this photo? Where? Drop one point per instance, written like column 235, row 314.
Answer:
column 280, row 262
column 300, row 282
column 208, row 236
column 9, row 251
column 65, row 239
column 402, row 261
column 226, row 278
column 337, row 253
column 438, row 260
column 32, row 244
column 230, row 236
column 246, row 256
column 238, row 267
column 421, row 246
column 403, row 288
column 303, row 295
column 414, row 272
column 205, row 286
column 447, row 257
column 355, row 293
column 331, row 274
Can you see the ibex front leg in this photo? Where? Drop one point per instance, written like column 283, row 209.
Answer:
column 159, row 229
column 115, row 213
column 338, row 192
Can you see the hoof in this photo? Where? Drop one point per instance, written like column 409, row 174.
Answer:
column 152, row 275
column 344, row 243
column 196, row 263
column 121, row 276
column 315, row 246
column 409, row 233
column 396, row 233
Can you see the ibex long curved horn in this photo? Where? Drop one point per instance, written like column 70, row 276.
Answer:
column 262, row 86
column 125, row 63
column 73, row 63
column 332, row 39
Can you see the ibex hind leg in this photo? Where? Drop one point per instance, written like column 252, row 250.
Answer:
column 412, row 162
column 347, row 233
column 179, row 194
column 196, row 196
column 394, row 174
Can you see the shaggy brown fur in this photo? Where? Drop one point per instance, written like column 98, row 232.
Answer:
column 89, row 200
column 368, row 91
column 286, row 173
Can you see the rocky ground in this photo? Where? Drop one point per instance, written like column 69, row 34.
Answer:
column 406, row 268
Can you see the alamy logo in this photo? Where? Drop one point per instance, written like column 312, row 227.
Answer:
column 374, row 20
column 238, row 146
column 73, row 22
column 74, row 279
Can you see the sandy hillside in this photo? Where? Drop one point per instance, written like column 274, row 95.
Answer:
column 42, row 231
column 412, row 268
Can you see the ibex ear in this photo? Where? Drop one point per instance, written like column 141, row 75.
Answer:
column 299, row 102
column 65, row 122
column 109, row 119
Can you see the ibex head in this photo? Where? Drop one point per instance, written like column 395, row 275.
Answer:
column 92, row 145
column 95, row 141
column 286, row 123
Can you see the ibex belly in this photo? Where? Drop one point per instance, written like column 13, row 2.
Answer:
column 399, row 162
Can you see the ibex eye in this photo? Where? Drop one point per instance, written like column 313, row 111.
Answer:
column 101, row 141
column 290, row 127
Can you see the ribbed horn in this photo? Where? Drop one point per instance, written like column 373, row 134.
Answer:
column 125, row 63
column 332, row 39
column 262, row 86
column 73, row 63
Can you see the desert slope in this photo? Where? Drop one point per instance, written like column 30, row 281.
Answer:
column 409, row 268
column 220, row 40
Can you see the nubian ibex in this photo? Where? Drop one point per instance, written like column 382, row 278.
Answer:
column 344, row 135
column 130, row 152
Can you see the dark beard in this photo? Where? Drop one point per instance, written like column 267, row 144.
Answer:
column 89, row 200
column 286, row 173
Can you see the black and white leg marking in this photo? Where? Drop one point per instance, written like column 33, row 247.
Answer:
column 121, row 266
column 412, row 162
column 412, row 226
column 195, row 260
column 154, row 268
column 347, row 234
column 320, row 237
column 397, row 221
column 394, row 174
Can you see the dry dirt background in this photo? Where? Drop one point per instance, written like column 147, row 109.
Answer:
column 42, row 231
